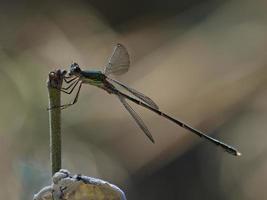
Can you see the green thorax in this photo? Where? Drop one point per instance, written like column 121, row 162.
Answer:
column 93, row 77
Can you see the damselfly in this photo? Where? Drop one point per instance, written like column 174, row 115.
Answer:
column 118, row 64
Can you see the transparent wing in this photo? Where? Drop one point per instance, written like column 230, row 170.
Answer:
column 138, row 120
column 119, row 61
column 137, row 94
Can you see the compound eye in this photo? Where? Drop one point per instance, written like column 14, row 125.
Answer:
column 74, row 65
column 77, row 69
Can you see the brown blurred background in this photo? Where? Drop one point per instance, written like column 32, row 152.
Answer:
column 204, row 62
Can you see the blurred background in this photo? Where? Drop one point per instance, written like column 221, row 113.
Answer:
column 204, row 62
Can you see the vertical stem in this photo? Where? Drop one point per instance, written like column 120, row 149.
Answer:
column 54, row 84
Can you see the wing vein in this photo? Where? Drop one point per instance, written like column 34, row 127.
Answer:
column 119, row 61
column 136, row 117
column 137, row 94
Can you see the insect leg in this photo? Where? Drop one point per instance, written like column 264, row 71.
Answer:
column 69, row 86
column 75, row 99
column 66, row 105
column 68, row 81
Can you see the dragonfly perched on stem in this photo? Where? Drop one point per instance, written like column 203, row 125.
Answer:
column 118, row 64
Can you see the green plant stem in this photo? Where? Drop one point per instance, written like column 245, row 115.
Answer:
column 54, row 84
